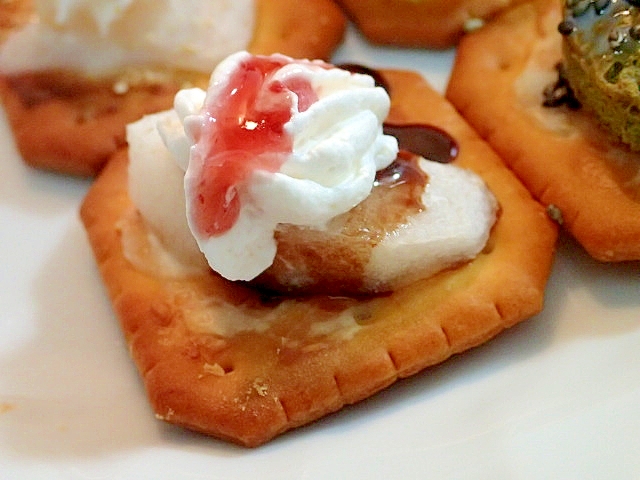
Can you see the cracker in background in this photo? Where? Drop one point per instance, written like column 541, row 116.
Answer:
column 69, row 123
column 589, row 181
column 295, row 360
column 420, row 23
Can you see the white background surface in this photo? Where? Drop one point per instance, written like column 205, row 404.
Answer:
column 555, row 397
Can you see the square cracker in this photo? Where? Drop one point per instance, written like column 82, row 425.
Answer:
column 66, row 122
column 220, row 358
column 563, row 156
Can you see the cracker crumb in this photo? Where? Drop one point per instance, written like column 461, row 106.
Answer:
column 170, row 413
column 242, row 403
column 473, row 24
column 120, row 87
column 555, row 214
column 260, row 387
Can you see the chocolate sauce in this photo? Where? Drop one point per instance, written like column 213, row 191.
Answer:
column 427, row 141
column 404, row 170
column 560, row 92
column 34, row 89
column 377, row 77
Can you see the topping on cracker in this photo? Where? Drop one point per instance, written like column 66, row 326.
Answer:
column 601, row 47
column 288, row 169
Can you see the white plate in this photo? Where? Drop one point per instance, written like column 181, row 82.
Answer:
column 555, row 397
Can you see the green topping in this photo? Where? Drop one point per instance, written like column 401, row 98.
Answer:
column 612, row 74
column 601, row 44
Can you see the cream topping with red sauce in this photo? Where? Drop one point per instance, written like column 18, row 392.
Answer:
column 238, row 134
column 277, row 141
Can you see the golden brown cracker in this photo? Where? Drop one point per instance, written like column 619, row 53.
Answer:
column 589, row 181
column 68, row 123
column 299, row 359
column 420, row 23
column 312, row 29
column 13, row 15
column 65, row 123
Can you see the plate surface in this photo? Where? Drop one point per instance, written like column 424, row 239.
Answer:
column 557, row 396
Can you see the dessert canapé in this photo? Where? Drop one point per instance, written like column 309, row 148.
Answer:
column 562, row 150
column 230, row 358
column 82, row 70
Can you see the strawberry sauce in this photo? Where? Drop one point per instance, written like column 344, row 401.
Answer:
column 243, row 131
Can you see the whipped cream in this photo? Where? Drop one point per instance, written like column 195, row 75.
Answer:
column 100, row 37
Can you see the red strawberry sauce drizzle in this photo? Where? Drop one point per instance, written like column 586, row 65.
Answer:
column 243, row 132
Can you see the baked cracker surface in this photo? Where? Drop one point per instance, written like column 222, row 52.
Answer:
column 69, row 123
column 589, row 181
column 223, row 359
column 423, row 23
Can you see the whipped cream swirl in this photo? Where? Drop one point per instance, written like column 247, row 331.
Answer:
column 323, row 165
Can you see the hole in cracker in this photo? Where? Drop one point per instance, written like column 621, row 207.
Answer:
column 228, row 368
column 216, row 369
column 363, row 317
column 504, row 65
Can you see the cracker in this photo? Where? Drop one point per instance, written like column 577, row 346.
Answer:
column 423, row 23
column 220, row 358
column 588, row 180
column 13, row 15
column 69, row 123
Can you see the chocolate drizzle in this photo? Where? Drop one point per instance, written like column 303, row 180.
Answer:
column 560, row 93
column 404, row 170
column 377, row 77
column 427, row 141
